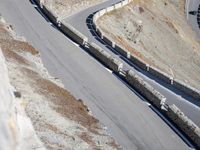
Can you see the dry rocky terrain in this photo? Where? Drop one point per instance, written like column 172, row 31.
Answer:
column 157, row 31
column 65, row 8
column 59, row 120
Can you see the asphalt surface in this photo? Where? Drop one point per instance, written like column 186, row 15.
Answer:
column 194, row 5
column 82, row 22
column 128, row 118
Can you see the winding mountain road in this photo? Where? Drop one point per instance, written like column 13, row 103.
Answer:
column 128, row 117
column 82, row 22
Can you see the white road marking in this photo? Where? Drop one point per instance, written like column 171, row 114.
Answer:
column 77, row 45
column 110, row 71
column 147, row 103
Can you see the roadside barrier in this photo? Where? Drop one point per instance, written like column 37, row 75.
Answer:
column 183, row 87
column 105, row 57
column 184, row 123
column 145, row 89
column 77, row 36
column 156, row 98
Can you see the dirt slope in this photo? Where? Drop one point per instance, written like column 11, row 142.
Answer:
column 157, row 31
column 60, row 121
column 65, row 8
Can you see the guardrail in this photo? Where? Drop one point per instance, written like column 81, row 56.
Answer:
column 186, row 125
column 156, row 98
column 76, row 36
column 145, row 89
column 187, row 89
column 105, row 58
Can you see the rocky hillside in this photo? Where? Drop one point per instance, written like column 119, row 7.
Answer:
column 157, row 32
column 52, row 118
column 65, row 8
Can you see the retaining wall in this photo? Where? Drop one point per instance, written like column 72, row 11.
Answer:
column 145, row 89
column 186, row 89
column 52, row 16
column 184, row 123
column 66, row 28
column 77, row 36
column 105, row 57
column 120, row 50
column 109, row 9
column 138, row 62
column 118, row 5
column 190, row 91
column 161, row 75
column 37, row 2
column 107, row 40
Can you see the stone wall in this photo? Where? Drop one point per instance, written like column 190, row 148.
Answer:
column 74, row 34
column 184, row 123
column 145, row 89
column 105, row 57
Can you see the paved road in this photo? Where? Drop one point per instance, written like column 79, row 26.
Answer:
column 193, row 5
column 129, row 119
column 189, row 106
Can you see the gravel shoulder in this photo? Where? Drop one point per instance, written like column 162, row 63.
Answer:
column 59, row 120
column 158, row 33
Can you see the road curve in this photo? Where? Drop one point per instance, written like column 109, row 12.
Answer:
column 129, row 119
column 81, row 21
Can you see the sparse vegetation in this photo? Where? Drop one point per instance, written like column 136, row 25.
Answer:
column 59, row 120
column 158, row 33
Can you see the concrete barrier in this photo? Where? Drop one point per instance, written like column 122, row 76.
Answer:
column 137, row 61
column 95, row 27
column 115, row 64
column 161, row 75
column 118, row 5
column 185, row 124
column 186, row 89
column 109, row 9
column 105, row 58
column 120, row 50
column 66, row 28
column 37, row 2
column 52, row 16
column 102, row 12
column 70, row 31
column 95, row 17
column 107, row 40
column 125, row 2
column 145, row 89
